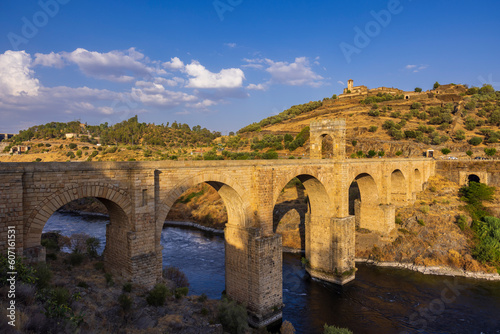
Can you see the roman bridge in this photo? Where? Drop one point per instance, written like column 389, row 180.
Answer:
column 139, row 195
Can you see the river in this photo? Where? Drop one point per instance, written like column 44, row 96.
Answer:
column 379, row 300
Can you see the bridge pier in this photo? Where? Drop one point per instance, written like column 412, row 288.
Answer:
column 378, row 218
column 330, row 246
column 253, row 273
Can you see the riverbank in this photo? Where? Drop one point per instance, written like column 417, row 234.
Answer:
column 433, row 270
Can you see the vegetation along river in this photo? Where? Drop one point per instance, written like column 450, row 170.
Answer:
column 379, row 300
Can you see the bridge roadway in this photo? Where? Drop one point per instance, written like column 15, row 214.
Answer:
column 139, row 195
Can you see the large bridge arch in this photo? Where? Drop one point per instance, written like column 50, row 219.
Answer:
column 118, row 203
column 232, row 194
column 116, row 200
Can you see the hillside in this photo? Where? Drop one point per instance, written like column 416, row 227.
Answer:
column 380, row 120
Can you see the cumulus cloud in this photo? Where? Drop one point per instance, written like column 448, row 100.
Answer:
column 117, row 66
column 203, row 78
column 153, row 94
column 16, row 74
column 174, row 64
column 257, row 87
column 49, row 60
column 298, row 73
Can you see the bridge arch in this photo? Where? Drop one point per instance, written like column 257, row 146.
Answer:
column 418, row 180
column 398, row 187
column 366, row 208
column 117, row 202
column 231, row 192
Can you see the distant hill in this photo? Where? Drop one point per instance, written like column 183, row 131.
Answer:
column 380, row 121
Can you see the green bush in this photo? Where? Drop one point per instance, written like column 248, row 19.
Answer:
column 158, row 295
column 82, row 284
column 60, row 296
column 92, row 245
column 127, row 287
column 233, row 317
column 109, row 279
column 43, row 276
column 445, row 151
column 175, row 275
column 335, row 330
column 125, row 302
column 76, row 258
column 373, row 128
column 181, row 292
column 72, row 146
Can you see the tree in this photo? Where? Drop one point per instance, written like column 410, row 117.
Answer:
column 469, row 153
column 490, row 151
column 445, row 151
column 354, row 142
column 475, row 141
column 436, row 85
column 460, row 135
column 372, row 153
column 398, row 153
column 418, row 89
column 334, row 96
column 381, row 153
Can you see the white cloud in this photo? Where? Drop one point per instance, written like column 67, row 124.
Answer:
column 174, row 64
column 49, row 60
column 341, row 83
column 230, row 45
column 16, row 75
column 156, row 95
column 118, row 66
column 203, row 78
column 416, row 68
column 298, row 73
column 257, row 87
column 106, row 110
column 256, row 66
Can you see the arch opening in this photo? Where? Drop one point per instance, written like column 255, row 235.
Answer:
column 398, row 187
column 473, row 178
column 289, row 215
column 212, row 205
column 418, row 180
column 364, row 201
column 326, row 147
column 77, row 220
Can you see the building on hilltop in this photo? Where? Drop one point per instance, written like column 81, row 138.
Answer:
column 356, row 91
column 351, row 89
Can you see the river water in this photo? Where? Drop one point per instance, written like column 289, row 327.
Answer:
column 379, row 300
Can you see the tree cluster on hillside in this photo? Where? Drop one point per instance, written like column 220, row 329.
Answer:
column 481, row 108
column 130, row 132
column 284, row 115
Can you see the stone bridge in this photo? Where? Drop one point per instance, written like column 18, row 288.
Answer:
column 139, row 195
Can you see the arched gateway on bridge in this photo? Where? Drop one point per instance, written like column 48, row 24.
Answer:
column 139, row 195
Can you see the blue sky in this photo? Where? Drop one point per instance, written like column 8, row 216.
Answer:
column 226, row 63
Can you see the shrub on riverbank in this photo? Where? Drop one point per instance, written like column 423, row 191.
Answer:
column 336, row 330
